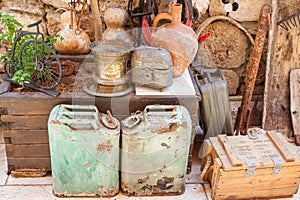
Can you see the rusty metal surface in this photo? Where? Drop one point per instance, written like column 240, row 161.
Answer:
column 155, row 147
column 84, row 147
column 264, row 24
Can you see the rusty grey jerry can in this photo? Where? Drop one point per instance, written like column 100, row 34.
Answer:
column 84, row 148
column 214, row 106
column 155, row 147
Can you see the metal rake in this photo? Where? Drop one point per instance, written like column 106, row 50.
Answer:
column 290, row 21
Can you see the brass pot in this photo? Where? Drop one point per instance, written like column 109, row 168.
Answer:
column 110, row 58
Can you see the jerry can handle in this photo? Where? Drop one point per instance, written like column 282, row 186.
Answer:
column 217, row 72
column 73, row 110
column 68, row 122
column 167, row 111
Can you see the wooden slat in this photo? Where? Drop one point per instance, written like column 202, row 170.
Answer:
column 29, row 163
column 267, row 182
column 281, row 146
column 295, row 100
column 230, row 151
column 286, row 170
column 27, row 136
column 259, row 193
column 283, row 55
column 28, row 122
column 23, row 151
column 216, row 176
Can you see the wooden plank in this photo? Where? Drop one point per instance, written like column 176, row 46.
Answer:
column 207, row 191
column 27, row 136
column 23, row 151
column 28, row 122
column 295, row 101
column 286, row 170
column 283, row 55
column 216, row 175
column 267, row 182
column 281, row 145
column 29, row 163
column 259, row 193
column 230, row 151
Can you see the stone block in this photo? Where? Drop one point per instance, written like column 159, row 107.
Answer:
column 248, row 9
column 227, row 46
column 232, row 80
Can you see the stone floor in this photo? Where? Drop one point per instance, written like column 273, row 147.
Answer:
column 41, row 188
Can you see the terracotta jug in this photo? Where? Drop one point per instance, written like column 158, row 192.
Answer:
column 179, row 39
column 115, row 19
column 75, row 41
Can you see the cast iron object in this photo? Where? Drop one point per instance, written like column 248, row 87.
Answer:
column 264, row 24
column 41, row 61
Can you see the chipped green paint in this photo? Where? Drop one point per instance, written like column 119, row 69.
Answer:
column 155, row 147
column 84, row 152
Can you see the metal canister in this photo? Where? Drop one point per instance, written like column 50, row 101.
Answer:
column 155, row 147
column 151, row 67
column 84, row 148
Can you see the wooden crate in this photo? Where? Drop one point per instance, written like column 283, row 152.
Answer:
column 238, row 167
column 24, row 119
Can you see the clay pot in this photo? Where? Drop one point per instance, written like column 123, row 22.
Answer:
column 75, row 41
column 115, row 19
column 179, row 39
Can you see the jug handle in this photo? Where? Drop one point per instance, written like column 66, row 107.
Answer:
column 160, row 17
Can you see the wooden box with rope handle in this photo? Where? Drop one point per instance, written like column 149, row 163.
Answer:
column 245, row 167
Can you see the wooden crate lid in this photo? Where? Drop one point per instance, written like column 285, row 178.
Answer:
column 235, row 151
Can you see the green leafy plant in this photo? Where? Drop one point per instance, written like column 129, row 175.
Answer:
column 7, row 38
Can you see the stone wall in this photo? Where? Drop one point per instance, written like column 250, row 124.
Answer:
column 227, row 48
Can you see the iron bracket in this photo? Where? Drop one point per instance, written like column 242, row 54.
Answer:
column 277, row 165
column 251, row 168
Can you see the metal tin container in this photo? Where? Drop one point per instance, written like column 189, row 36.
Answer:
column 155, row 148
column 151, row 67
column 84, row 148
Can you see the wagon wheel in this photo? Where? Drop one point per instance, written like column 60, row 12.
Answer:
column 10, row 68
column 38, row 58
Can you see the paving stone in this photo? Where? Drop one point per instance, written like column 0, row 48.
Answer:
column 38, row 192
column 3, row 165
column 47, row 180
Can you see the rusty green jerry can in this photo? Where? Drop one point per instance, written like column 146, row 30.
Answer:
column 155, row 147
column 84, row 147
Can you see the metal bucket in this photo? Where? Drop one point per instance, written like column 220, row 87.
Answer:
column 84, row 148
